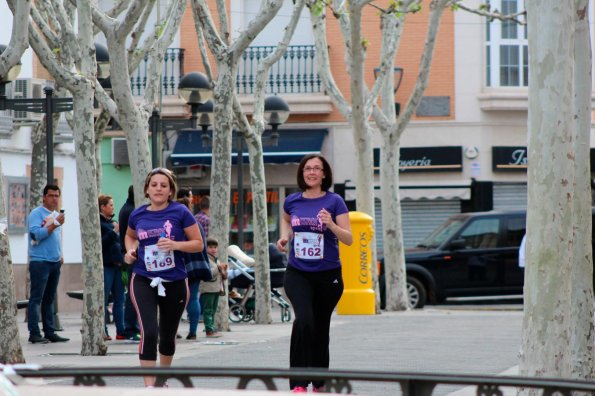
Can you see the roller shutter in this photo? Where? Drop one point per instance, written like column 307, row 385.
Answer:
column 420, row 217
column 509, row 196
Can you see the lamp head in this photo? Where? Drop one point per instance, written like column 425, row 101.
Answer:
column 276, row 110
column 194, row 88
column 206, row 113
column 397, row 77
column 102, row 58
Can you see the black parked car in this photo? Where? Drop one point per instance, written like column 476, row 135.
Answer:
column 470, row 255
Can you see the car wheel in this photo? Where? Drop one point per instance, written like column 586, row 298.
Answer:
column 417, row 293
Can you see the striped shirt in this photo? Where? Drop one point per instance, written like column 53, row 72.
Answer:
column 203, row 219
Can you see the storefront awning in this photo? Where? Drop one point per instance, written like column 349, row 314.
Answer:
column 446, row 192
column 293, row 145
column 421, row 192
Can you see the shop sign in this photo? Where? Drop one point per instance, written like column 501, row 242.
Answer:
column 509, row 158
column 427, row 159
column 272, row 197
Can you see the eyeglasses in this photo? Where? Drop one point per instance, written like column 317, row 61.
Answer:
column 316, row 169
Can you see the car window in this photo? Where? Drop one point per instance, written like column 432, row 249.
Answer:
column 481, row 234
column 515, row 230
column 442, row 233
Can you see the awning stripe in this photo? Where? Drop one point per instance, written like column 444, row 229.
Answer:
column 292, row 145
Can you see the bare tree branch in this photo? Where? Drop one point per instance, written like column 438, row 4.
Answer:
column 268, row 10
column 156, row 54
column 517, row 17
column 19, row 38
column 323, row 65
column 216, row 44
column 223, row 22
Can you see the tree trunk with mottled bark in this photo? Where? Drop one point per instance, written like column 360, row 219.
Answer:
column 557, row 336
column 227, row 55
column 80, row 83
column 10, row 345
column 392, row 129
column 221, row 171
column 84, row 140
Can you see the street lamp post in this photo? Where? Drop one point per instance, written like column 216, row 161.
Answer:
column 205, row 120
column 155, row 124
column 48, row 105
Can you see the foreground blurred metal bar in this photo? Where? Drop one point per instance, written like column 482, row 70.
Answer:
column 337, row 381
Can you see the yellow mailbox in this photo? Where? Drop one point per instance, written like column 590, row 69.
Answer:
column 358, row 297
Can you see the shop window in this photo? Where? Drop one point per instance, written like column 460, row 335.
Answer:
column 248, row 217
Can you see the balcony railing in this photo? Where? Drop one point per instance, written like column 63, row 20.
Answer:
column 173, row 69
column 294, row 73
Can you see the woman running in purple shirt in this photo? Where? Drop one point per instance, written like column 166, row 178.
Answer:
column 157, row 235
column 313, row 223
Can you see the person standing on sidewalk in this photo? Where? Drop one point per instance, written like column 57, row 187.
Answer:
column 202, row 217
column 131, row 330
column 314, row 221
column 210, row 291
column 158, row 234
column 111, row 252
column 45, row 260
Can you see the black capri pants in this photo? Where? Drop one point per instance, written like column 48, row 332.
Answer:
column 158, row 316
column 313, row 296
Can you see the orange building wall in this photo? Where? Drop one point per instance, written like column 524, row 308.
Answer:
column 441, row 82
column 38, row 71
column 189, row 39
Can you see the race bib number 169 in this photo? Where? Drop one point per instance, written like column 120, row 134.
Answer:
column 157, row 260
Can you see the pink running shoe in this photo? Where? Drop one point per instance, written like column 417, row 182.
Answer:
column 320, row 389
column 299, row 389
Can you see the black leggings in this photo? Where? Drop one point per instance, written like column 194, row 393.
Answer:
column 171, row 306
column 313, row 296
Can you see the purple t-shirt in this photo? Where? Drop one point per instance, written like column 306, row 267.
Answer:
column 309, row 232
column 150, row 226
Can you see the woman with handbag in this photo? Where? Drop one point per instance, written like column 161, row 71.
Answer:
column 210, row 291
column 197, row 269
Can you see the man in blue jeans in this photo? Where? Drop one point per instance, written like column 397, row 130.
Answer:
column 45, row 260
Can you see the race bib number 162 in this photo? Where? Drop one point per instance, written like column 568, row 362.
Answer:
column 308, row 245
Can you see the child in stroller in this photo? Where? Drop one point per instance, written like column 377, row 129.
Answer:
column 241, row 276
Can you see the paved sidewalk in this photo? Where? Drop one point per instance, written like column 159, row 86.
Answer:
column 433, row 340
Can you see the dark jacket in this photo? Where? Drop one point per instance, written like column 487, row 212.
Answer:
column 125, row 212
column 111, row 251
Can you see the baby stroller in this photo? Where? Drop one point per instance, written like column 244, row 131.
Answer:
column 241, row 276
